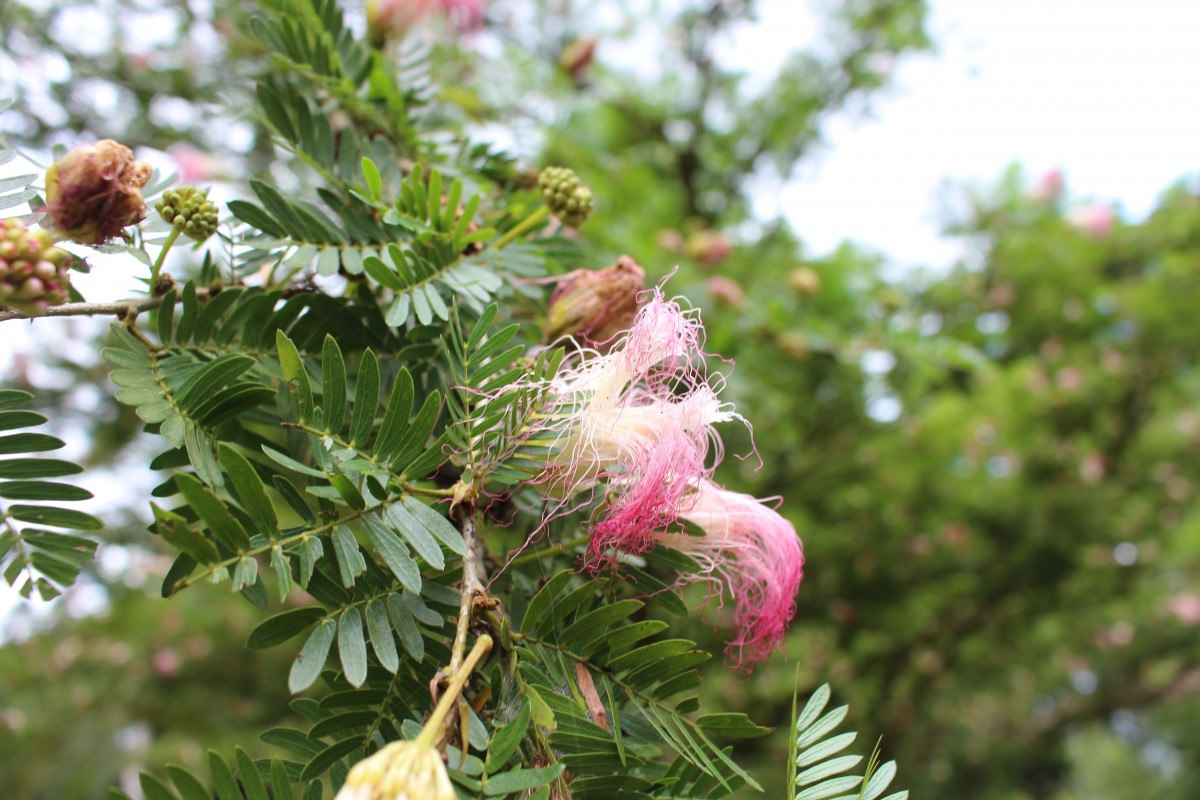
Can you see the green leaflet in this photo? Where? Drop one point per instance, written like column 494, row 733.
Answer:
column 32, row 557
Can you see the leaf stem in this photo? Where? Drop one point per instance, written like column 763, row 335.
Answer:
column 521, row 227
column 162, row 256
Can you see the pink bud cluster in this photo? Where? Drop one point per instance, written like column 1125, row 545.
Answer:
column 33, row 274
column 635, row 426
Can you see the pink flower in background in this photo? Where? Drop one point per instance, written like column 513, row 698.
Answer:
column 396, row 17
column 1049, row 186
column 194, row 166
column 756, row 553
column 1093, row 218
column 1185, row 607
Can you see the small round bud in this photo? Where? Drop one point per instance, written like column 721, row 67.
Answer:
column 567, row 196
column 188, row 210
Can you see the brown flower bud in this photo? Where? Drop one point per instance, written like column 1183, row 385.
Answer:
column 595, row 305
column 95, row 192
column 576, row 57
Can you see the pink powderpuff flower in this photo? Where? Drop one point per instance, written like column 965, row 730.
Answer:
column 387, row 18
column 1093, row 219
column 756, row 553
column 639, row 419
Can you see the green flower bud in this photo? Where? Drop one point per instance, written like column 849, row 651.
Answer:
column 188, row 210
column 566, row 195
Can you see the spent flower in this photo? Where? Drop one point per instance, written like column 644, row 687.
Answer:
column 399, row 771
column 95, row 191
column 595, row 306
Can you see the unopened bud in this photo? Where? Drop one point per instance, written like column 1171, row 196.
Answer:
column 726, row 290
column 805, row 281
column 709, row 247
column 567, row 196
column 576, row 58
column 33, row 274
column 595, row 305
column 190, row 211
column 95, row 192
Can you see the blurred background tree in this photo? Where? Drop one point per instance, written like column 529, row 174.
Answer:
column 992, row 465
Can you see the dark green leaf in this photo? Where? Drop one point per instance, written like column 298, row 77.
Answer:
column 519, row 780
column 213, row 512
column 335, row 752
column 55, row 517
column 281, row 627
column 42, row 490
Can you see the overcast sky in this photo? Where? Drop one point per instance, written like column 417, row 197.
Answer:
column 1105, row 91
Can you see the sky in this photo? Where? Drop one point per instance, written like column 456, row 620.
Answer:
column 1104, row 91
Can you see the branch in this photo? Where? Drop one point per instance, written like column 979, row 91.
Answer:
column 121, row 309
column 470, row 584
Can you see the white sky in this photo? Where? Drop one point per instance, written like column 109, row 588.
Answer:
column 1103, row 90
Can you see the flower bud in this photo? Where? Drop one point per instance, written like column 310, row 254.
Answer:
column 709, row 247
column 1093, row 219
column 190, row 211
column 400, row 771
column 95, row 192
column 566, row 195
column 805, row 281
column 595, row 305
column 576, row 57
column 33, row 275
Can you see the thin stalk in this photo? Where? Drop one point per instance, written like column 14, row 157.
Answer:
column 162, row 256
column 433, row 728
column 521, row 227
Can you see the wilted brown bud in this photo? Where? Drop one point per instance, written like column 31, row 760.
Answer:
column 576, row 57
column 595, row 305
column 95, row 192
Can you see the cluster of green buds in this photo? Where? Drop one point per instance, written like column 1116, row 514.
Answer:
column 33, row 273
column 189, row 210
column 567, row 196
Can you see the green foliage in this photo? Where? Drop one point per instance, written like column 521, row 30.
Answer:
column 34, row 557
column 813, row 753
